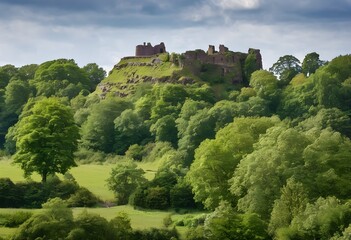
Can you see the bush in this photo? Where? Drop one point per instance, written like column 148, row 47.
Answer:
column 87, row 156
column 135, row 152
column 8, row 193
column 167, row 221
column 15, row 219
column 157, row 198
column 34, row 194
column 82, row 198
column 155, row 234
column 181, row 196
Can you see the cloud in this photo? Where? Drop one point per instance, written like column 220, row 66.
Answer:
column 237, row 4
column 104, row 31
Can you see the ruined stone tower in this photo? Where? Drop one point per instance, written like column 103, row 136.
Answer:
column 149, row 50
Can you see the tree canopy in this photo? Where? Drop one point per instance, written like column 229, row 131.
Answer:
column 46, row 138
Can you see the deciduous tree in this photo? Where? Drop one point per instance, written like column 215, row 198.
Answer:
column 46, row 139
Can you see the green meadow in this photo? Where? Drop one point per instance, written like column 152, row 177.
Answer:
column 93, row 177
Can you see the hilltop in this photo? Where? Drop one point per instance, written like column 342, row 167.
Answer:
column 155, row 65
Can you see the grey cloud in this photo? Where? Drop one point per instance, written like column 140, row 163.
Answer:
column 175, row 14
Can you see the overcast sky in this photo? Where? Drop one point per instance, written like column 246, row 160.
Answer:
column 103, row 31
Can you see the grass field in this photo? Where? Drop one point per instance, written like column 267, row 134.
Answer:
column 139, row 219
column 93, row 177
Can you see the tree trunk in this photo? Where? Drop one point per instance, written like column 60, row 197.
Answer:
column 43, row 177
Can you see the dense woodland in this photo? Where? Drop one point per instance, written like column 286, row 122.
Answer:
column 268, row 159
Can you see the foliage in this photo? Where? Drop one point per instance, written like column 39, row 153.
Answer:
column 15, row 219
column 181, row 196
column 265, row 85
column 250, row 66
column 124, row 179
column 61, row 78
column 323, row 219
column 164, row 130
column 292, row 202
column 286, row 68
column 311, row 63
column 130, row 129
column 33, row 194
column 95, row 74
column 98, row 130
column 224, row 223
column 54, row 223
column 82, row 198
column 215, row 160
column 287, row 176
column 46, row 139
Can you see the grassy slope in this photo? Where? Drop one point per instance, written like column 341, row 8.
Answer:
column 124, row 79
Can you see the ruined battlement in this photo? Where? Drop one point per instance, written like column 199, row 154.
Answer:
column 149, row 50
column 222, row 57
column 230, row 64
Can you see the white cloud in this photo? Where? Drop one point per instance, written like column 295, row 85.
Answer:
column 198, row 13
column 237, row 4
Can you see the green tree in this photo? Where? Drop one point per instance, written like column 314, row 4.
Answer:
column 225, row 223
column 16, row 95
column 55, row 222
column 260, row 175
column 129, row 129
column 340, row 67
column 27, row 72
column 215, row 160
column 292, row 202
column 296, row 100
column 246, row 93
column 200, row 127
column 95, row 74
column 333, row 118
column 311, row 63
column 6, row 73
column 46, row 139
column 189, row 108
column 164, row 129
column 323, row 219
column 91, row 226
column 98, row 131
column 325, row 160
column 121, row 226
column 124, row 179
column 61, row 77
column 286, row 68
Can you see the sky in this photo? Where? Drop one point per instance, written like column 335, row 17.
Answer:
column 104, row 31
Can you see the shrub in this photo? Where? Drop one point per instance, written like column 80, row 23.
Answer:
column 181, row 196
column 155, row 234
column 8, row 193
column 15, row 219
column 167, row 221
column 157, row 198
column 82, row 198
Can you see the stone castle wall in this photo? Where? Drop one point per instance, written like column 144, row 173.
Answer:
column 149, row 50
column 223, row 57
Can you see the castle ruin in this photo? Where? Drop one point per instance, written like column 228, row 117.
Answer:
column 149, row 50
column 230, row 64
column 223, row 57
